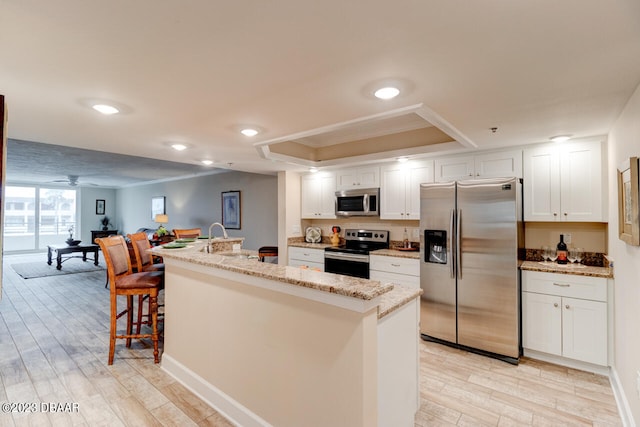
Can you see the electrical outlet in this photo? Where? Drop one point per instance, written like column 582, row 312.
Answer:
column 567, row 238
column 296, row 229
column 416, row 233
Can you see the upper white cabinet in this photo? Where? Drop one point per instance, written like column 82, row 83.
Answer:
column 496, row 164
column 564, row 182
column 318, row 195
column 364, row 177
column 400, row 188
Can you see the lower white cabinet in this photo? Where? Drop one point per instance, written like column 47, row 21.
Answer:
column 306, row 257
column 565, row 315
column 390, row 269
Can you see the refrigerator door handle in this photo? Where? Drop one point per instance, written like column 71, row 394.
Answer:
column 458, row 240
column 452, row 271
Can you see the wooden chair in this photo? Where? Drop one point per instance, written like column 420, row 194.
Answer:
column 127, row 283
column 143, row 261
column 266, row 251
column 187, row 233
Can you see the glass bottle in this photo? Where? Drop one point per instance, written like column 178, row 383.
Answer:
column 562, row 251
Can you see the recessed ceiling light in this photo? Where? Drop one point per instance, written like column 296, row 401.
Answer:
column 178, row 147
column 207, row 162
column 403, row 159
column 313, row 170
column 387, row 92
column 249, row 132
column 561, row 138
column 105, row 109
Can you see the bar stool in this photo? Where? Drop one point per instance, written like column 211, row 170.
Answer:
column 266, row 251
column 187, row 233
column 127, row 283
column 143, row 262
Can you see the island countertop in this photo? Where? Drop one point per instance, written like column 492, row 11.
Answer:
column 334, row 283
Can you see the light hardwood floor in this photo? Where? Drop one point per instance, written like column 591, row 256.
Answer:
column 54, row 344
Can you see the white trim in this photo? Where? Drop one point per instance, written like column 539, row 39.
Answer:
column 569, row 363
column 228, row 407
column 621, row 399
column 350, row 303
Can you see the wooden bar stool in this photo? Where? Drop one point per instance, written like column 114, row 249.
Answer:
column 143, row 262
column 127, row 283
column 266, row 251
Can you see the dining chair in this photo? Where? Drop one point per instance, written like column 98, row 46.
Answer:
column 124, row 282
column 187, row 233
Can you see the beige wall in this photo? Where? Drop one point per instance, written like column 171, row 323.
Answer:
column 590, row 236
column 624, row 142
column 292, row 361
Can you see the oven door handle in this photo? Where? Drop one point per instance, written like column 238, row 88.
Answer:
column 341, row 256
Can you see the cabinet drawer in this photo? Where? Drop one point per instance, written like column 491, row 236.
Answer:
column 305, row 254
column 410, row 266
column 306, row 264
column 395, row 278
column 565, row 285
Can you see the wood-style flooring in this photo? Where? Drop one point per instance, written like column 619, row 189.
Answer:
column 54, row 341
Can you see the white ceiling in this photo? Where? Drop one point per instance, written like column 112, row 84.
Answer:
column 195, row 71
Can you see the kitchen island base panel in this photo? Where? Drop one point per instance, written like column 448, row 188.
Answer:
column 290, row 360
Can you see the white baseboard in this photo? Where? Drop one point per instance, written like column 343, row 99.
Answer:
column 621, row 399
column 232, row 410
column 569, row 363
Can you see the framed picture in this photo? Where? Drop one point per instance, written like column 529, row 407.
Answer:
column 100, row 206
column 231, row 209
column 628, row 226
column 158, row 206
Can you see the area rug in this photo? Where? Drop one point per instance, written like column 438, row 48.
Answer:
column 31, row 270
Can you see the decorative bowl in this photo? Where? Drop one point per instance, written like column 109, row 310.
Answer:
column 72, row 242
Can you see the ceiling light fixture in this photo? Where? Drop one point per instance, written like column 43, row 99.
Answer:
column 387, row 92
column 249, row 132
column 207, row 162
column 313, row 170
column 403, row 159
column 105, row 109
column 178, row 147
column 560, row 138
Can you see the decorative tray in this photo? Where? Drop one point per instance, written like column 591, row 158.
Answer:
column 408, row 249
column 174, row 245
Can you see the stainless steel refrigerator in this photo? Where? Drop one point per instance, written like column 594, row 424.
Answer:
column 472, row 232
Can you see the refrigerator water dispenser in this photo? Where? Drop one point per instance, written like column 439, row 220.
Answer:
column 436, row 246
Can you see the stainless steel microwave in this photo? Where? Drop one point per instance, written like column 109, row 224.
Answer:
column 360, row 202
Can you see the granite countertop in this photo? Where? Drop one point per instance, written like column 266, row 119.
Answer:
column 579, row 270
column 396, row 298
column 304, row 244
column 397, row 253
column 334, row 283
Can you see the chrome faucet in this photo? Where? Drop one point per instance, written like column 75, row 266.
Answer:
column 224, row 234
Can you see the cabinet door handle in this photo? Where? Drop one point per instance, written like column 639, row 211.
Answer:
column 555, row 304
column 395, row 265
column 562, row 285
column 567, row 307
column 565, row 214
column 555, row 214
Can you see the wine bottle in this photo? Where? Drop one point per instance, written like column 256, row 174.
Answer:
column 562, row 251
column 405, row 240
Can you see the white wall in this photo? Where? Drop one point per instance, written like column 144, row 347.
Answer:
column 89, row 220
column 624, row 142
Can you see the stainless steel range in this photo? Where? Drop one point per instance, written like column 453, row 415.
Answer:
column 352, row 258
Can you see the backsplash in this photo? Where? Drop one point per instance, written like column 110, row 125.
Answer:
column 592, row 259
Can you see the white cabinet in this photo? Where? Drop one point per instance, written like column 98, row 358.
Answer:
column 400, row 188
column 565, row 315
column 364, row 177
column 306, row 257
column 564, row 182
column 497, row 164
column 318, row 192
column 390, row 269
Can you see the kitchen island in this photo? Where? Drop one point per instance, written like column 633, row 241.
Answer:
column 266, row 344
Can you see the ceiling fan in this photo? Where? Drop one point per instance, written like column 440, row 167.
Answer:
column 72, row 181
